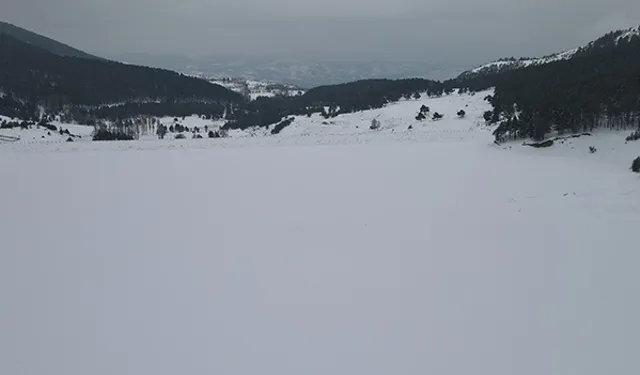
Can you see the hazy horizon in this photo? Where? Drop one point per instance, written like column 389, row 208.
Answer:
column 439, row 32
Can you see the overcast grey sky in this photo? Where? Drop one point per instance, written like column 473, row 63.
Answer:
column 431, row 30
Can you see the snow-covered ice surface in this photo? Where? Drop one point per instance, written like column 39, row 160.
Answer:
column 339, row 251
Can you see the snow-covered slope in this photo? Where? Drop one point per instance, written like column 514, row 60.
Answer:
column 516, row 63
column 424, row 251
column 39, row 134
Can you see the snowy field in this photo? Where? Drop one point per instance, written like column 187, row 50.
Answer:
column 327, row 249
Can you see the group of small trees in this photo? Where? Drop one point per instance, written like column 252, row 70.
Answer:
column 633, row 136
column 422, row 115
column 424, row 111
column 220, row 133
column 111, row 135
column 16, row 124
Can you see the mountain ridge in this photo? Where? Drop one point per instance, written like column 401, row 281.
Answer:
column 507, row 64
column 43, row 42
column 33, row 79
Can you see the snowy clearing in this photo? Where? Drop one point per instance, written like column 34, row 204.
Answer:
column 430, row 251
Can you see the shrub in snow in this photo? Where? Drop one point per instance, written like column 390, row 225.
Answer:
column 283, row 124
column 634, row 136
column 417, row 96
column 410, row 127
column 635, row 166
column 462, row 113
column 180, row 136
column 488, row 115
column 69, row 139
column 592, row 150
column 375, row 124
column 218, row 134
column 197, row 136
column 544, row 144
column 161, row 131
column 424, row 109
column 437, row 116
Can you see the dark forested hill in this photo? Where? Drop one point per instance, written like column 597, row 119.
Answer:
column 508, row 64
column 598, row 88
column 42, row 42
column 334, row 100
column 38, row 78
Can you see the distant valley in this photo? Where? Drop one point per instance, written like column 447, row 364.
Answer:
column 300, row 73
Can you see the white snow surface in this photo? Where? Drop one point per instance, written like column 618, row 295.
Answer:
column 40, row 135
column 323, row 250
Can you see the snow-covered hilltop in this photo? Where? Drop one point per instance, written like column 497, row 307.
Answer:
column 523, row 62
column 512, row 63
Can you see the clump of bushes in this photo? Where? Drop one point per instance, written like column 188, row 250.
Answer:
column 218, row 134
column 635, row 166
column 633, row 136
column 283, row 124
column 15, row 124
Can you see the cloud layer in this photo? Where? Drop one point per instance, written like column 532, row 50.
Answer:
column 435, row 30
